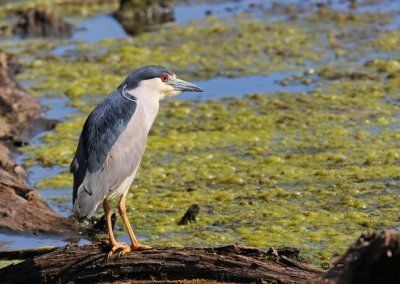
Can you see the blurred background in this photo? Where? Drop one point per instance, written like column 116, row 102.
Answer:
column 294, row 143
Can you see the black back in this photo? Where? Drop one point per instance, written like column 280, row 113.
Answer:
column 103, row 127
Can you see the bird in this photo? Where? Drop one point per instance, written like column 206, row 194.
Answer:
column 113, row 141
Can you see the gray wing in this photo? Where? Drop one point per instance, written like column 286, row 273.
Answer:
column 104, row 156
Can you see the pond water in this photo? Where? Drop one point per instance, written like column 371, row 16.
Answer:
column 58, row 109
column 216, row 88
column 220, row 87
column 88, row 32
column 311, row 155
column 23, row 242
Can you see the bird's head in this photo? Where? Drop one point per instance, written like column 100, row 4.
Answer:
column 158, row 80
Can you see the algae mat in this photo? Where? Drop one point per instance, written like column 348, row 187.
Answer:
column 309, row 170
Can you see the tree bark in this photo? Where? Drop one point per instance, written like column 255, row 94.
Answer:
column 89, row 264
column 373, row 258
column 22, row 209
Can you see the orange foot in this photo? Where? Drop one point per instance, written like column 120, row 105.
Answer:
column 116, row 246
column 132, row 248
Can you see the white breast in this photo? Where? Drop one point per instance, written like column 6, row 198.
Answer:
column 147, row 102
column 128, row 150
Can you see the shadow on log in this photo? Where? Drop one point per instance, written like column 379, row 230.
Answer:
column 89, row 264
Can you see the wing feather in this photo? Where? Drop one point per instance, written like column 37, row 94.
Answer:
column 103, row 154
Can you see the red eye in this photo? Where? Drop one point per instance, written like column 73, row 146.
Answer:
column 164, row 78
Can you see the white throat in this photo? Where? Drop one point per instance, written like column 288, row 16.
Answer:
column 147, row 101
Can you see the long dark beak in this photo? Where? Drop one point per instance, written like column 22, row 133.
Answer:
column 184, row 86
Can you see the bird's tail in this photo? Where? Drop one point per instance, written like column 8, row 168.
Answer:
column 85, row 203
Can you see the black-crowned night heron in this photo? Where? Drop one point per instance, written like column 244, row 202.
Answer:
column 113, row 141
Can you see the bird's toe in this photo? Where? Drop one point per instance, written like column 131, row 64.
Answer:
column 125, row 251
column 139, row 247
column 133, row 248
column 116, row 247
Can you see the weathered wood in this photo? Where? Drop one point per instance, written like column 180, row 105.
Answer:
column 373, row 258
column 22, row 209
column 24, row 253
column 89, row 264
column 42, row 22
column 137, row 16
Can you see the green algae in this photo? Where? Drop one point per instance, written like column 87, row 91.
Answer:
column 388, row 41
column 72, row 9
column 206, row 49
column 309, row 170
column 63, row 180
column 5, row 263
column 190, row 50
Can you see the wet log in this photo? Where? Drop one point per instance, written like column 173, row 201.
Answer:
column 89, row 264
column 373, row 258
column 24, row 253
column 22, row 209
column 42, row 22
column 137, row 16
column 20, row 113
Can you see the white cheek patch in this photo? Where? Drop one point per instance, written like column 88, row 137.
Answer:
column 155, row 85
column 169, row 91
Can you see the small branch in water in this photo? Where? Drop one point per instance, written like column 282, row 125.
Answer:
column 190, row 215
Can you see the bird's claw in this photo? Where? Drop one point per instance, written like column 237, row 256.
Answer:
column 139, row 247
column 118, row 246
column 132, row 248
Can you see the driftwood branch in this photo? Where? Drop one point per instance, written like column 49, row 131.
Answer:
column 373, row 258
column 89, row 264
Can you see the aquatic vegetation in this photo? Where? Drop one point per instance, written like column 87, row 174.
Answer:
column 265, row 168
column 247, row 48
column 4, row 263
column 73, row 9
column 309, row 170
column 388, row 41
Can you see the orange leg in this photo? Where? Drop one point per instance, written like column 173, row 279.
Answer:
column 122, row 211
column 113, row 242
